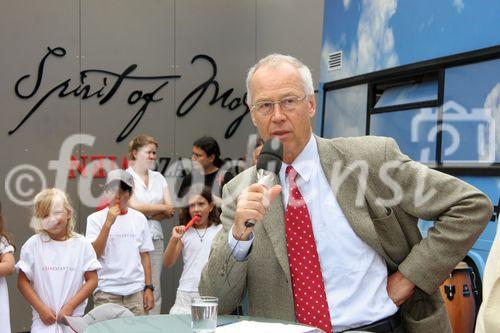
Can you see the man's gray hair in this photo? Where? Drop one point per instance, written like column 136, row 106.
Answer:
column 277, row 59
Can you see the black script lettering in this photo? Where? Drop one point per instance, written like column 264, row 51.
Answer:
column 163, row 163
column 63, row 85
column 192, row 99
column 58, row 52
column 231, row 129
column 148, row 98
column 83, row 91
column 117, row 84
column 104, row 92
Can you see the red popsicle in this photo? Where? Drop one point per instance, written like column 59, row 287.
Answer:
column 193, row 221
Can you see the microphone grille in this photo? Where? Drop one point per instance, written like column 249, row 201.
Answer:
column 271, row 156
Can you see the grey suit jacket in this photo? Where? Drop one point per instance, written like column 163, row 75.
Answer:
column 460, row 211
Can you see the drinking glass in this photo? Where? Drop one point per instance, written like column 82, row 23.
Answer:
column 204, row 314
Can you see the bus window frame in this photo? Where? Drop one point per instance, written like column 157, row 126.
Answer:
column 407, row 72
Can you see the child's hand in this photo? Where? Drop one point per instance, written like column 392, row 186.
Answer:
column 113, row 212
column 47, row 315
column 178, row 231
column 149, row 300
column 66, row 310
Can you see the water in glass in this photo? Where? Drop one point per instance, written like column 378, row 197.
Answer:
column 204, row 315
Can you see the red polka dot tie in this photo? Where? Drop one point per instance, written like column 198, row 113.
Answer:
column 311, row 306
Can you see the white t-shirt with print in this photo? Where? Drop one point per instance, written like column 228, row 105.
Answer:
column 5, row 247
column 122, row 272
column 153, row 194
column 195, row 252
column 56, row 270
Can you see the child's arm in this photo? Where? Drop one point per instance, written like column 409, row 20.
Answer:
column 82, row 294
column 149, row 300
column 7, row 264
column 100, row 242
column 47, row 315
column 174, row 247
column 150, row 210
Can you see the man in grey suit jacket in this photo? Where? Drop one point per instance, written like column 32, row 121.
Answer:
column 375, row 194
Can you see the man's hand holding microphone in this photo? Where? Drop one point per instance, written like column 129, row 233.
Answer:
column 254, row 201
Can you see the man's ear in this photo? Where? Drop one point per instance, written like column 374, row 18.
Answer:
column 311, row 105
column 251, row 114
column 253, row 120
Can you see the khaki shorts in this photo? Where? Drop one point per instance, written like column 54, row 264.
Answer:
column 134, row 302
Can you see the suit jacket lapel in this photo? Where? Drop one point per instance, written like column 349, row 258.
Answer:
column 274, row 224
column 346, row 190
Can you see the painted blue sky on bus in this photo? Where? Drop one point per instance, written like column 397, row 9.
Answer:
column 380, row 34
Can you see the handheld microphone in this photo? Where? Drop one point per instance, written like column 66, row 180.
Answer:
column 191, row 222
column 268, row 166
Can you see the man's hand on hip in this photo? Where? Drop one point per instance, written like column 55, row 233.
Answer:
column 399, row 288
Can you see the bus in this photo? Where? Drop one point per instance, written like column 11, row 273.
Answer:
column 426, row 73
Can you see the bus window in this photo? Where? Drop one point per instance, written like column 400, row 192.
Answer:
column 345, row 112
column 410, row 129
column 472, row 106
column 407, row 94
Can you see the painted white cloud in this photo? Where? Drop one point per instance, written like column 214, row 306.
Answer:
column 374, row 47
column 426, row 24
column 343, row 40
column 459, row 5
column 346, row 4
column 492, row 102
column 373, row 34
column 388, row 43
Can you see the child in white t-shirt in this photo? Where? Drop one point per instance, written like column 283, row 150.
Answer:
column 6, row 268
column 120, row 236
column 57, row 267
column 194, row 244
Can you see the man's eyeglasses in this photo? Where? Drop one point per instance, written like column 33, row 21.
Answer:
column 289, row 103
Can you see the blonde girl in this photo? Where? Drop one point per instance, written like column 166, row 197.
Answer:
column 57, row 267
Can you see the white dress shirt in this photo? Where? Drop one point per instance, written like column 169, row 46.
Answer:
column 153, row 194
column 355, row 276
